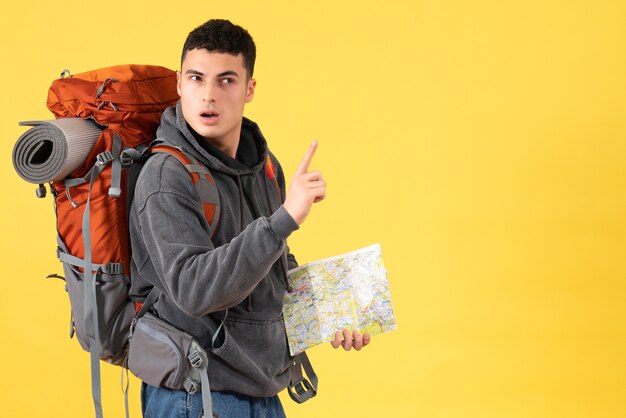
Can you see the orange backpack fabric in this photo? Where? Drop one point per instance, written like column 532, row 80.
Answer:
column 128, row 100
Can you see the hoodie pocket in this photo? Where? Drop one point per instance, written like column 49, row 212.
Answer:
column 254, row 350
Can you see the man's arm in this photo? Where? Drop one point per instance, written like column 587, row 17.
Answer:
column 292, row 262
column 199, row 277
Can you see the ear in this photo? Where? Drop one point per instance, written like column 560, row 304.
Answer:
column 178, row 82
column 250, row 90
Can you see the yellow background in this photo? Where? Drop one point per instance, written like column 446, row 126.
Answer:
column 482, row 143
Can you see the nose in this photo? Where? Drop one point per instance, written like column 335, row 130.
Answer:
column 209, row 94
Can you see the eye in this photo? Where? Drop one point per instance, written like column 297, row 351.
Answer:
column 227, row 80
column 195, row 78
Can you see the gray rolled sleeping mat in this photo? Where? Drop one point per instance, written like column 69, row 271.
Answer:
column 52, row 149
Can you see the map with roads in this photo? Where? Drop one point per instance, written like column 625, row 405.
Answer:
column 347, row 291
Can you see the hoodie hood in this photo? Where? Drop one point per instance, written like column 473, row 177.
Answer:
column 174, row 127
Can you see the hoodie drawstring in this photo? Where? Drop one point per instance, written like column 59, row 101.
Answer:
column 241, row 228
column 241, row 198
column 283, row 257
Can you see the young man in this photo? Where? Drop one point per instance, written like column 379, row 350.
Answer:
column 239, row 265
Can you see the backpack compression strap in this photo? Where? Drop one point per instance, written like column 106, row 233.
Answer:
column 90, row 281
column 202, row 179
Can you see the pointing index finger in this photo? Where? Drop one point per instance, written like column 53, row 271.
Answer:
column 306, row 161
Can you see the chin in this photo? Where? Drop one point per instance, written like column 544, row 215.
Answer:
column 207, row 132
column 210, row 136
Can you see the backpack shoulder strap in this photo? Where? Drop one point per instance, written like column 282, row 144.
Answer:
column 300, row 388
column 202, row 180
column 270, row 172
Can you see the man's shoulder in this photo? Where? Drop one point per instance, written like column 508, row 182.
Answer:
column 162, row 173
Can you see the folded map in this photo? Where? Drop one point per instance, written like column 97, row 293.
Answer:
column 347, row 291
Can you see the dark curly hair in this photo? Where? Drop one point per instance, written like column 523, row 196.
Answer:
column 219, row 35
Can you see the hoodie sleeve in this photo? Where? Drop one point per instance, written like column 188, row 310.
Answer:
column 292, row 263
column 199, row 277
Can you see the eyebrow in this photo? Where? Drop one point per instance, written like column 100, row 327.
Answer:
column 225, row 73
column 222, row 74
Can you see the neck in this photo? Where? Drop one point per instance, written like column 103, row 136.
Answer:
column 229, row 149
column 229, row 142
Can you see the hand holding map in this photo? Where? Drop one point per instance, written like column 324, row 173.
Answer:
column 348, row 291
column 354, row 340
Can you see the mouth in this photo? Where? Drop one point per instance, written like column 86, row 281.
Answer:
column 209, row 117
column 209, row 114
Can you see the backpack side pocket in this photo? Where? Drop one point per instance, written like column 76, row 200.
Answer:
column 158, row 353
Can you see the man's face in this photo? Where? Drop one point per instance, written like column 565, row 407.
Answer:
column 214, row 88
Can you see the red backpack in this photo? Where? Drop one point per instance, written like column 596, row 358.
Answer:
column 92, row 202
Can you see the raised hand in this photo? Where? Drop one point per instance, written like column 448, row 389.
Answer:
column 307, row 187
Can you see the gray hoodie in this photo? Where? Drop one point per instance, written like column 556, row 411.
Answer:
column 242, row 268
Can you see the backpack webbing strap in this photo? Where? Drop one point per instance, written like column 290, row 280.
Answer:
column 101, row 160
column 77, row 181
column 116, row 157
column 116, row 167
column 300, row 389
column 198, row 359
column 130, row 155
column 202, row 180
column 207, row 404
column 125, row 385
column 145, row 307
column 108, row 268
column 147, row 304
column 197, row 168
column 90, row 299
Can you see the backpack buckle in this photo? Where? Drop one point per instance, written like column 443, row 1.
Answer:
column 191, row 386
column 103, row 158
column 113, row 268
column 301, row 391
column 126, row 160
column 195, row 359
column 41, row 191
column 131, row 330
